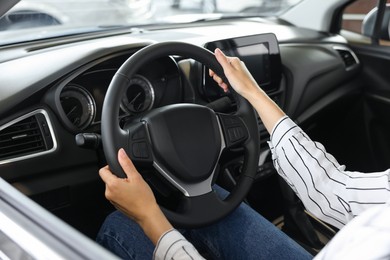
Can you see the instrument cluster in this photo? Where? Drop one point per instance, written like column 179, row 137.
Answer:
column 81, row 97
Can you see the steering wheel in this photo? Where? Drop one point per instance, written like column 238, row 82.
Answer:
column 183, row 142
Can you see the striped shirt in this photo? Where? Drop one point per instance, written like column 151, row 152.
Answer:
column 328, row 191
column 172, row 245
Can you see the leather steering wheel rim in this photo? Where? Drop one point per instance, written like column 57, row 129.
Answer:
column 199, row 210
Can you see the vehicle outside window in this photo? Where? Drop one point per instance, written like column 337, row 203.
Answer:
column 354, row 15
column 52, row 18
column 359, row 18
column 37, row 13
column 226, row 6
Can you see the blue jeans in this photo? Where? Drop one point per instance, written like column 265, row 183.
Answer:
column 244, row 234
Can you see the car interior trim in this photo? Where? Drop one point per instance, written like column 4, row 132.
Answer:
column 352, row 54
column 25, row 240
column 33, row 155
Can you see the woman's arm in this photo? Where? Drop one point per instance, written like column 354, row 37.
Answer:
column 326, row 189
column 133, row 197
column 242, row 81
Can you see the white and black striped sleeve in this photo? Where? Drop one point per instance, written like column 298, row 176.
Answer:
column 325, row 188
column 172, row 245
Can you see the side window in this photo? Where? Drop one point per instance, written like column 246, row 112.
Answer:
column 354, row 14
column 359, row 18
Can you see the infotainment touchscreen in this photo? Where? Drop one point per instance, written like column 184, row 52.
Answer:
column 260, row 54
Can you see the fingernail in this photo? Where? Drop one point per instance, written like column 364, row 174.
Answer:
column 122, row 152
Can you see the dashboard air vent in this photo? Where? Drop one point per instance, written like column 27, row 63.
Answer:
column 348, row 56
column 27, row 136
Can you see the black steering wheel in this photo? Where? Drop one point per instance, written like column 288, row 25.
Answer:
column 183, row 142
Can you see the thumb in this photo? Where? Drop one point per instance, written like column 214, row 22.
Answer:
column 221, row 58
column 106, row 175
column 126, row 164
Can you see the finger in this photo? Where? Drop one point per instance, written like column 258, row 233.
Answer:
column 211, row 73
column 221, row 58
column 106, row 175
column 220, row 83
column 126, row 164
column 224, row 86
column 217, row 79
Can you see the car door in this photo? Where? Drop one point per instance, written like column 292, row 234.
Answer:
column 371, row 46
column 27, row 231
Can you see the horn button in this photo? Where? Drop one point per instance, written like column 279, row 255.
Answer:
column 186, row 140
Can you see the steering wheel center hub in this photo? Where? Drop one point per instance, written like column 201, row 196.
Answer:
column 186, row 139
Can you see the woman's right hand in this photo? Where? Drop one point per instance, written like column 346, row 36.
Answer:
column 244, row 84
column 237, row 73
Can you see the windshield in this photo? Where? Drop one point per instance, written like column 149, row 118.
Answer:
column 39, row 19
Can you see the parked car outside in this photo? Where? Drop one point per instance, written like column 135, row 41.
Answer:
column 34, row 13
column 227, row 6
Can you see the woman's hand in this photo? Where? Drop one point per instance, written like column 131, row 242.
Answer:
column 133, row 196
column 237, row 73
column 244, row 84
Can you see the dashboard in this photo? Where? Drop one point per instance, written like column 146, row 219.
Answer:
column 52, row 93
column 63, row 85
column 78, row 99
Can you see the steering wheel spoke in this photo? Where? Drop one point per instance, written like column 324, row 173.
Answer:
column 139, row 144
column 234, row 130
column 187, row 189
column 198, row 209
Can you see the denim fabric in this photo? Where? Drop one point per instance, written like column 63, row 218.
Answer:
column 124, row 237
column 244, row 234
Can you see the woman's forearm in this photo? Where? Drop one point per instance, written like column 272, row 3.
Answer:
column 155, row 225
column 270, row 113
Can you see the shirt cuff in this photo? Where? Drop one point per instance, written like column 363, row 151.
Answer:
column 166, row 242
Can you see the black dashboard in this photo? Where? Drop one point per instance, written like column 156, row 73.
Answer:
column 78, row 99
